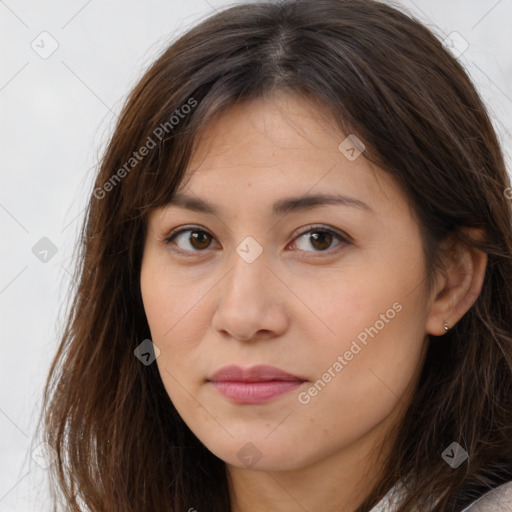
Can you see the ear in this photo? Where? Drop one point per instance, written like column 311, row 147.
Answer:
column 458, row 284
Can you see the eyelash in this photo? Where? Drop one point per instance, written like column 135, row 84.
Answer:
column 344, row 239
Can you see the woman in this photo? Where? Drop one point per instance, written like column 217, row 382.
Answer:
column 294, row 281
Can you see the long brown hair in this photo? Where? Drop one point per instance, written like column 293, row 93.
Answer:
column 120, row 442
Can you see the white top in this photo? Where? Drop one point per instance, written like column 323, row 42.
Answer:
column 496, row 500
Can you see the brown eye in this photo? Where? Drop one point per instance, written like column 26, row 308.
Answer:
column 321, row 240
column 190, row 240
column 200, row 239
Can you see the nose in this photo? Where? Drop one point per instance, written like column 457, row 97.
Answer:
column 251, row 302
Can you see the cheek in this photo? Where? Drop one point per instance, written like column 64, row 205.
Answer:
column 368, row 335
column 358, row 384
column 174, row 305
column 174, row 323
column 178, row 312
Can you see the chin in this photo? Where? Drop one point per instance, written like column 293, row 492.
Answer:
column 260, row 454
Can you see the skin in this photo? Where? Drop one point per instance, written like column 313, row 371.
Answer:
column 298, row 306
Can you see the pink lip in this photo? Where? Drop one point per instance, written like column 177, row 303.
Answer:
column 252, row 385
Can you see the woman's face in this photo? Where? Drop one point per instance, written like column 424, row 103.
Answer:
column 332, row 293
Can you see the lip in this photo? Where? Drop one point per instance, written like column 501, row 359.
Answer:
column 258, row 373
column 256, row 384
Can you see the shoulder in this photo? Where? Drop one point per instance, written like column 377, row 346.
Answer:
column 496, row 500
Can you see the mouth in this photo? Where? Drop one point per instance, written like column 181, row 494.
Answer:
column 253, row 385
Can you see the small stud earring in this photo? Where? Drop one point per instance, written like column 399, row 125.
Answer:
column 446, row 328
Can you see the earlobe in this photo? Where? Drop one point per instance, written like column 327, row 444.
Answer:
column 458, row 286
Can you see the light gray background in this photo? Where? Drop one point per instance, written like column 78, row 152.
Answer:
column 57, row 114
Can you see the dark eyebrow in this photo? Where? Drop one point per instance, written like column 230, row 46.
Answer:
column 281, row 207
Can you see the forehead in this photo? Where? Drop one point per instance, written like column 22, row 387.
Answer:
column 284, row 145
column 267, row 157
column 267, row 127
